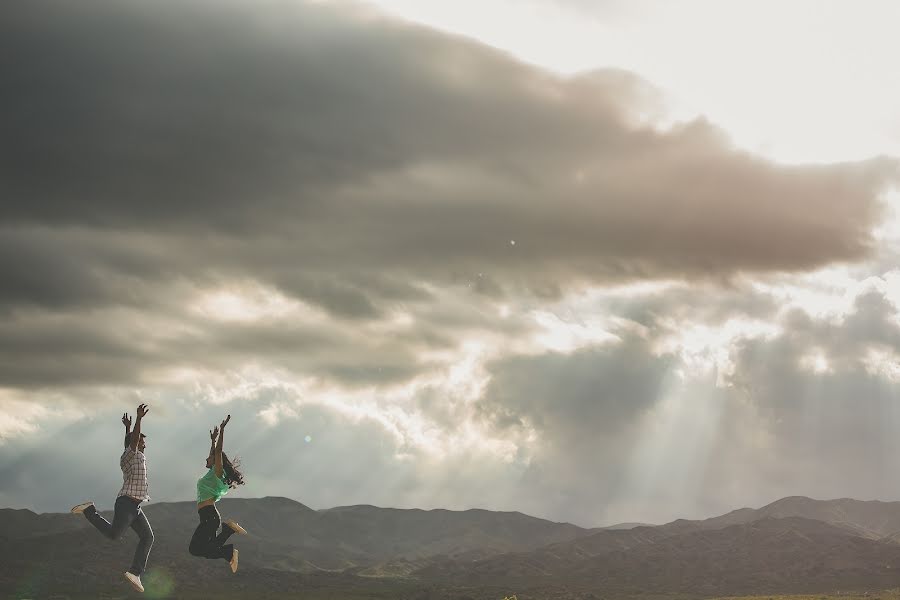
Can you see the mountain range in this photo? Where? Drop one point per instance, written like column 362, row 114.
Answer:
column 795, row 544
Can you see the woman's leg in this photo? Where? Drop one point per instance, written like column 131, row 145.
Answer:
column 226, row 533
column 203, row 536
column 226, row 550
column 204, row 542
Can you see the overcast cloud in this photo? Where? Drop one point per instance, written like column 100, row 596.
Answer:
column 470, row 281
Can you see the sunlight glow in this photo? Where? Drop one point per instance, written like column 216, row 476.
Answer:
column 244, row 303
column 826, row 294
column 888, row 230
column 22, row 414
column 703, row 348
column 820, row 72
column 816, row 362
column 398, row 409
column 884, row 362
column 672, row 447
column 564, row 336
column 276, row 412
column 18, row 418
column 832, row 294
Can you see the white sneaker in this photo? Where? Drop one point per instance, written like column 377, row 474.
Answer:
column 135, row 581
column 80, row 508
column 233, row 562
column 236, row 527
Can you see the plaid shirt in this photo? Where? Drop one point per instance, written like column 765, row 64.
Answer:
column 134, row 475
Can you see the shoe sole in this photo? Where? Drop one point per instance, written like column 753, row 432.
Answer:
column 234, row 562
column 137, row 587
column 80, row 508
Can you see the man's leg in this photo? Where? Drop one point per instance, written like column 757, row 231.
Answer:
column 141, row 527
column 125, row 513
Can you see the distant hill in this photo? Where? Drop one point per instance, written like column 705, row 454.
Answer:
column 793, row 545
column 627, row 526
column 383, row 533
column 872, row 519
column 765, row 556
column 19, row 523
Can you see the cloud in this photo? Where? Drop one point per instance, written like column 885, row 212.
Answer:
column 621, row 432
column 312, row 146
column 593, row 390
column 226, row 202
column 360, row 165
column 347, row 460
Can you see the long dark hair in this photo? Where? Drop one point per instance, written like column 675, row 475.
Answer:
column 231, row 473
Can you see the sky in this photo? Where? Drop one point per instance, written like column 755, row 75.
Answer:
column 591, row 261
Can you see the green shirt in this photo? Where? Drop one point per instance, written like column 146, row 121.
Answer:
column 210, row 486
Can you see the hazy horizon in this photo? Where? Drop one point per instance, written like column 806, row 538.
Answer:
column 109, row 506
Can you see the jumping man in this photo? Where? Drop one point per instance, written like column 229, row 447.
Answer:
column 134, row 490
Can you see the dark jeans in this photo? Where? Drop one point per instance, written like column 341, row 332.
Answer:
column 128, row 513
column 205, row 542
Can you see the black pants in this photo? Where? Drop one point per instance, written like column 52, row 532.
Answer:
column 205, row 542
column 128, row 513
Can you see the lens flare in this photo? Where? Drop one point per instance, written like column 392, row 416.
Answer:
column 158, row 583
column 32, row 585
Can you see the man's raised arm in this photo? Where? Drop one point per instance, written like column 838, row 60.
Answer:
column 136, row 434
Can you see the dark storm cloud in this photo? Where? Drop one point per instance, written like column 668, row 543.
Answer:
column 574, row 396
column 312, row 145
column 35, row 274
column 55, row 352
column 38, row 350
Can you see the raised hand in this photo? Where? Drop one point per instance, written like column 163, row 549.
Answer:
column 225, row 422
column 126, row 421
column 136, row 434
column 214, row 433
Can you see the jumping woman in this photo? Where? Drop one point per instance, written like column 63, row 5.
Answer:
column 221, row 477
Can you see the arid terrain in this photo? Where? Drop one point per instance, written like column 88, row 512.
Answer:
column 795, row 545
